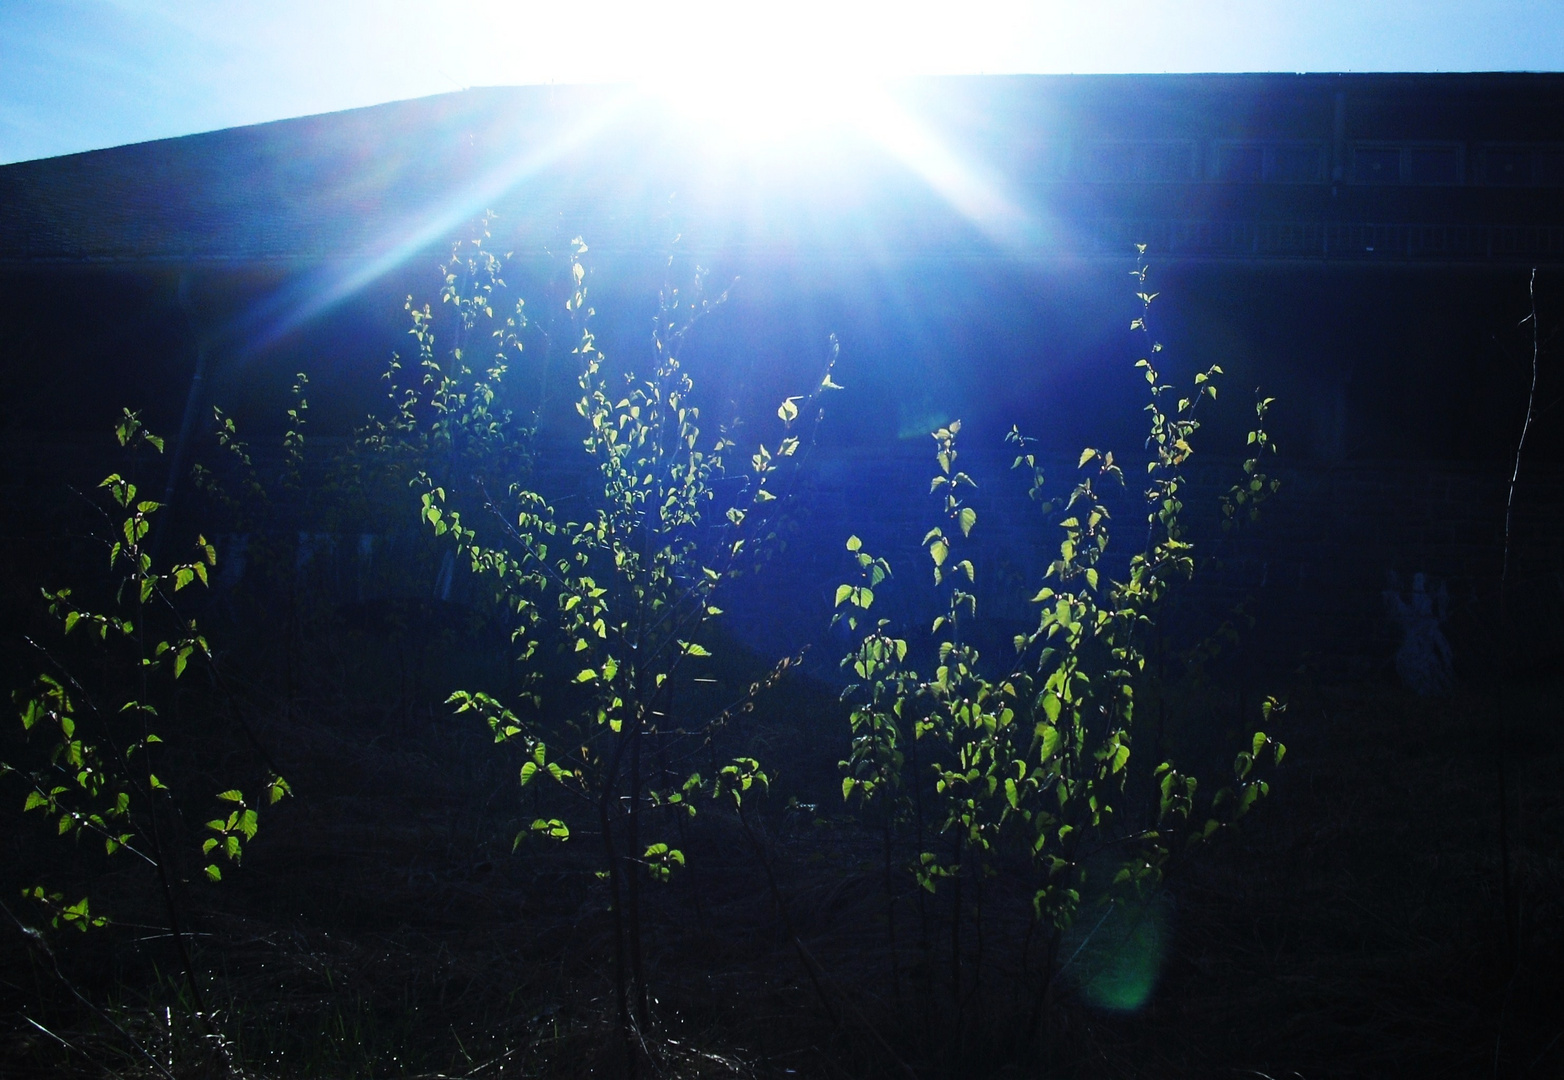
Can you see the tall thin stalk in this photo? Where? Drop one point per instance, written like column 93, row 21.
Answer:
column 1506, row 889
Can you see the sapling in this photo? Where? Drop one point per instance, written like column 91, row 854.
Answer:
column 92, row 716
column 625, row 580
column 1022, row 769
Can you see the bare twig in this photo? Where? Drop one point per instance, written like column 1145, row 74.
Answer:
column 1505, row 886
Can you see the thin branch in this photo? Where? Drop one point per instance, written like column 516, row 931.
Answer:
column 1531, row 400
column 39, row 944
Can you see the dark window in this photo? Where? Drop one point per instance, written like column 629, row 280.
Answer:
column 1433, row 165
column 1107, row 162
column 1170, row 162
column 1029, row 161
column 1239, row 163
column 1295, row 165
column 1376, row 165
column 1507, row 166
column 1547, row 168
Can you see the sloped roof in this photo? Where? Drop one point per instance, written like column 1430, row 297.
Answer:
column 383, row 182
column 318, row 187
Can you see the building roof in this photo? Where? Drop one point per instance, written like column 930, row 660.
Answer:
column 308, row 188
column 1451, row 167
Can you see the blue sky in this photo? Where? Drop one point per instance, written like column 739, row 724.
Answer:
column 82, row 74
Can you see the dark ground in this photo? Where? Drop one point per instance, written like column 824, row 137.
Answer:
column 381, row 925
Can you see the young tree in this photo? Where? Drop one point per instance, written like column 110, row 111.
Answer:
column 92, row 716
column 1026, row 768
column 626, row 584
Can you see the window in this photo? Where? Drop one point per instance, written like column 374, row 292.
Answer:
column 1433, row 164
column 1106, row 163
column 1296, row 163
column 1035, row 161
column 1267, row 162
column 1160, row 162
column 1376, row 165
column 1025, row 159
column 1167, row 162
column 1507, row 165
column 1542, row 166
column 1547, row 168
column 1238, row 163
column 1409, row 163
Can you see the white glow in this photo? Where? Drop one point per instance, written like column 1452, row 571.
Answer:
column 759, row 73
column 959, row 180
column 88, row 73
column 760, row 109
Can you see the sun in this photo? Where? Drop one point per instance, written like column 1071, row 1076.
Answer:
column 763, row 73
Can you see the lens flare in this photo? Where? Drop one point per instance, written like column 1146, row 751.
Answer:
column 1116, row 952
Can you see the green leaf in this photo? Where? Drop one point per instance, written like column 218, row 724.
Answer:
column 968, row 518
column 853, row 543
column 1050, row 741
column 842, row 593
column 552, row 828
column 586, row 675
